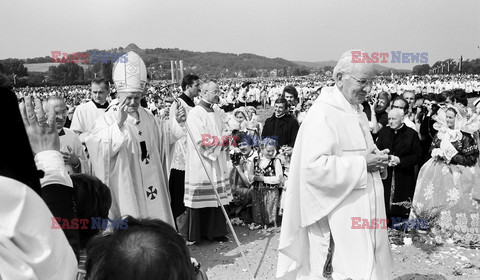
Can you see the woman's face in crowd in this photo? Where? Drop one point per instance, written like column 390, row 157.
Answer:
column 240, row 117
column 269, row 151
column 450, row 119
column 289, row 97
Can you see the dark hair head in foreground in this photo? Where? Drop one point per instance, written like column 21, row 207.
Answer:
column 149, row 249
column 93, row 200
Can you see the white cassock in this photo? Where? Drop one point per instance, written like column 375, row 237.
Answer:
column 84, row 117
column 133, row 163
column 71, row 139
column 29, row 247
column 328, row 186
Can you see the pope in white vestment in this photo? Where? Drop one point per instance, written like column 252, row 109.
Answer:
column 328, row 189
column 131, row 158
column 128, row 161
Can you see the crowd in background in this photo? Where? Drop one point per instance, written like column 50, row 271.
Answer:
column 259, row 169
column 264, row 91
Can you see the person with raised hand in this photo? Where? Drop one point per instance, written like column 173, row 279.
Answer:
column 31, row 249
column 129, row 149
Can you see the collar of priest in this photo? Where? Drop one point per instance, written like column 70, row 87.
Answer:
column 208, row 106
column 402, row 126
column 187, row 100
column 101, row 106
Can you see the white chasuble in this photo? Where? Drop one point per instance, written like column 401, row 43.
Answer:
column 328, row 189
column 133, row 162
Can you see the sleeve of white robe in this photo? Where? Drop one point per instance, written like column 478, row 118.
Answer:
column 82, row 156
column 51, row 162
column 165, row 138
column 104, row 142
column 177, row 129
column 77, row 124
column 106, row 130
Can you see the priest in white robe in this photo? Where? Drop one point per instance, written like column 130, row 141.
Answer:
column 204, row 218
column 85, row 114
column 334, row 181
column 129, row 149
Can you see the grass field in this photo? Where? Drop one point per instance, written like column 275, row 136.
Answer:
column 264, row 114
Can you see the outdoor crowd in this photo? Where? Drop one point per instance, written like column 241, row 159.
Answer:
column 264, row 91
column 148, row 154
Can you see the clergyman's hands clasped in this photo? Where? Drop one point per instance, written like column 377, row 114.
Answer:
column 376, row 160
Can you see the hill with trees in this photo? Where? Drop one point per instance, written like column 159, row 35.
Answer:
column 41, row 70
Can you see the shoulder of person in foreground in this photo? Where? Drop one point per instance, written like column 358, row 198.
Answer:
column 29, row 231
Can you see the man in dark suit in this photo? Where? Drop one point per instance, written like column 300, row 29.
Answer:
column 281, row 125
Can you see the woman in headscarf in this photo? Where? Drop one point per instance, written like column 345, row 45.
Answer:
column 447, row 182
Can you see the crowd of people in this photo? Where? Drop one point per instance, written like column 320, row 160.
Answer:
column 166, row 158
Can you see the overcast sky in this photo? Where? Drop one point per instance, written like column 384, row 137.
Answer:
column 297, row 30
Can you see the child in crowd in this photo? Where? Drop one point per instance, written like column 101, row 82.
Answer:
column 266, row 174
column 254, row 127
column 285, row 155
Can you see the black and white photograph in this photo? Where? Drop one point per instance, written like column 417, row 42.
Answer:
column 255, row 139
